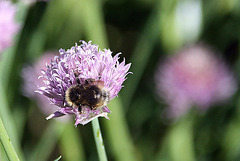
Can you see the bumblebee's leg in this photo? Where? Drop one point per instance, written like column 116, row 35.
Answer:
column 78, row 81
column 93, row 108
column 76, row 74
column 64, row 95
column 80, row 109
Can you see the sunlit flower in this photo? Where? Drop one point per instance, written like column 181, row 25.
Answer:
column 30, row 75
column 8, row 26
column 194, row 77
column 188, row 20
column 88, row 62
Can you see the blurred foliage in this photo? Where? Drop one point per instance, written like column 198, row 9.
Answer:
column 145, row 32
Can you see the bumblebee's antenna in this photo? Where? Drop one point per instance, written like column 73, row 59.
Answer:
column 77, row 79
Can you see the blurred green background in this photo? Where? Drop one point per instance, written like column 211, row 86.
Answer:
column 145, row 31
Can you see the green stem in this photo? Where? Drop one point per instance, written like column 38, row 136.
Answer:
column 119, row 138
column 99, row 141
column 141, row 55
column 71, row 143
column 93, row 22
column 12, row 155
column 3, row 155
column 9, row 123
column 178, row 144
column 181, row 135
column 47, row 142
column 231, row 142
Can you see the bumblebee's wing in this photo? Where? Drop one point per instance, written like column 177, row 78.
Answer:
column 99, row 84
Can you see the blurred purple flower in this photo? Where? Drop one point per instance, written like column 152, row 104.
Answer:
column 194, row 77
column 30, row 75
column 8, row 26
column 90, row 63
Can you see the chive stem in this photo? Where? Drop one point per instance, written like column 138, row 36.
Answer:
column 99, row 140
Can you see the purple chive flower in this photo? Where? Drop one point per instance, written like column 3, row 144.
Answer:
column 8, row 26
column 193, row 77
column 88, row 62
column 30, row 75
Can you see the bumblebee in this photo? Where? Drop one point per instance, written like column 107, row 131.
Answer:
column 91, row 93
